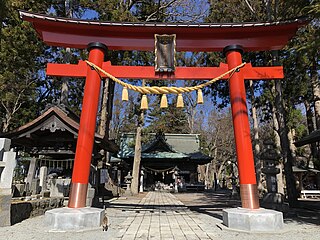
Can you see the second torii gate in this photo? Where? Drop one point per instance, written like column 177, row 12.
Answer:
column 98, row 37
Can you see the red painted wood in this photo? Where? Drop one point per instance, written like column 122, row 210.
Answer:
column 82, row 162
column 140, row 36
column 241, row 121
column 187, row 73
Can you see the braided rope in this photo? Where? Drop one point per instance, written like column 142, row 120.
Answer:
column 163, row 90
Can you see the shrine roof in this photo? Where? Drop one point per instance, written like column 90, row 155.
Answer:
column 44, row 121
column 57, row 122
column 311, row 138
column 76, row 33
column 166, row 146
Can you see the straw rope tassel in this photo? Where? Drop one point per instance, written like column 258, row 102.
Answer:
column 200, row 97
column 125, row 95
column 180, row 103
column 164, row 101
column 144, row 102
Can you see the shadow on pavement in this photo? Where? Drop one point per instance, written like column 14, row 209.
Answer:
column 212, row 204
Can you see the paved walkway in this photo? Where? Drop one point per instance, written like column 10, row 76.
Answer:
column 159, row 215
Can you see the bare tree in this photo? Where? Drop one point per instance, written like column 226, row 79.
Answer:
column 13, row 102
column 191, row 110
column 218, row 137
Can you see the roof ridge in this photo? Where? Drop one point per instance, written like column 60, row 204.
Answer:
column 23, row 13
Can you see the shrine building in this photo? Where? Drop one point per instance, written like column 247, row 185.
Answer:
column 165, row 158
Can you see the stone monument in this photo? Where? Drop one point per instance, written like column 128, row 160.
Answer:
column 43, row 182
column 7, row 165
column 30, row 177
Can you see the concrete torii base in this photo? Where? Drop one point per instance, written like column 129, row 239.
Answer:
column 73, row 219
column 253, row 220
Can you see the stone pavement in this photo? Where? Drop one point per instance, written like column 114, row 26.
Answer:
column 159, row 215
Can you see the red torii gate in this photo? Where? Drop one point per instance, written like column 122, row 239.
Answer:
column 98, row 37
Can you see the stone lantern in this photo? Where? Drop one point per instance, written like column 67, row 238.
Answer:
column 175, row 176
column 128, row 180
column 270, row 158
column 141, row 180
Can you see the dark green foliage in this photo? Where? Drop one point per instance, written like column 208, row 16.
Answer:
column 167, row 120
column 20, row 66
column 112, row 10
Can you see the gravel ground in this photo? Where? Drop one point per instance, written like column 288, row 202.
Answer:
column 300, row 224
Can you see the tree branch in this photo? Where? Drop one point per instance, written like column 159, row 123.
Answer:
column 250, row 7
column 149, row 18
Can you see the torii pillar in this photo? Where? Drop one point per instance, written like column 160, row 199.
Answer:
column 241, row 127
column 250, row 217
column 77, row 215
column 87, row 129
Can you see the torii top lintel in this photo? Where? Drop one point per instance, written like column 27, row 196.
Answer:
column 77, row 33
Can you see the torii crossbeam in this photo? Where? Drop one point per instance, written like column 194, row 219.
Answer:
column 181, row 73
column 232, row 39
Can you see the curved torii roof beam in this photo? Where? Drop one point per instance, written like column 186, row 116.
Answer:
column 77, row 33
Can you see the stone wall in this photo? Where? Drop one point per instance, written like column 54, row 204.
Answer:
column 21, row 210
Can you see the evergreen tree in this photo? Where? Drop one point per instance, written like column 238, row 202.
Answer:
column 235, row 11
column 21, row 64
column 167, row 120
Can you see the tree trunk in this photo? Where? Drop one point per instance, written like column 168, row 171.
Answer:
column 111, row 86
column 275, row 124
column 64, row 91
column 316, row 94
column 311, row 125
column 136, row 163
column 66, row 59
column 288, row 159
column 316, row 99
column 211, row 172
column 206, row 179
column 137, row 154
column 276, row 131
column 6, row 122
column 104, row 106
column 202, row 172
column 291, row 135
